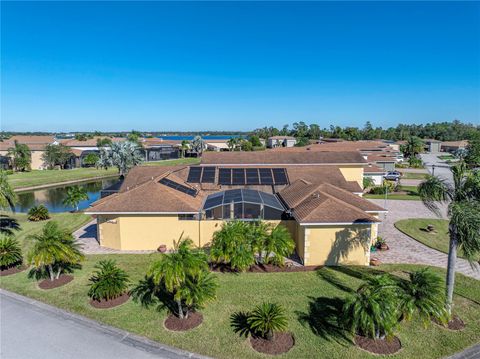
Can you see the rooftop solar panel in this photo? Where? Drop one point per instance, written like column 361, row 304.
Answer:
column 280, row 176
column 238, row 176
column 178, row 187
column 225, row 176
column 252, row 176
column 208, row 175
column 266, row 176
column 194, row 174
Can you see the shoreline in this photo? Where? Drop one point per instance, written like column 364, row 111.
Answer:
column 61, row 184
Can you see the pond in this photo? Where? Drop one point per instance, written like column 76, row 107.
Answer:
column 52, row 198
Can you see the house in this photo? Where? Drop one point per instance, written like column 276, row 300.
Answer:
column 432, row 146
column 375, row 173
column 317, row 196
column 36, row 144
column 281, row 141
column 454, row 146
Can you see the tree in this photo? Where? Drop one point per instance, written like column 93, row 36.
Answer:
column 91, row 159
column 232, row 143
column 134, row 136
column 184, row 147
column 38, row 213
column 246, row 145
column 21, row 156
column 75, row 194
column 372, row 311
column 56, row 155
column 267, row 318
column 108, row 281
column 412, row 147
column 472, row 157
column 368, row 183
column 10, row 252
column 198, row 145
column 463, row 198
column 255, row 141
column 104, row 142
column 123, row 155
column 278, row 245
column 8, row 197
column 422, row 296
column 53, row 250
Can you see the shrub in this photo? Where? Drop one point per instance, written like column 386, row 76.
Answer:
column 368, row 182
column 38, row 213
column 423, row 295
column 108, row 281
column 415, row 162
column 373, row 310
column 387, row 185
column 278, row 245
column 267, row 318
column 10, row 252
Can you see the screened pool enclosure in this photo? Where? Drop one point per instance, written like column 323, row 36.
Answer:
column 244, row 204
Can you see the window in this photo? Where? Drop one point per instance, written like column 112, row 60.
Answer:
column 187, row 217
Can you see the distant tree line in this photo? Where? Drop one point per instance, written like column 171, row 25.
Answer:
column 442, row 131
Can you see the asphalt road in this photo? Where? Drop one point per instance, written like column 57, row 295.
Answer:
column 442, row 169
column 29, row 329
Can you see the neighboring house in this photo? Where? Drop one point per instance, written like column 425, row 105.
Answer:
column 384, row 162
column 217, row 145
column 281, row 141
column 35, row 143
column 454, row 146
column 375, row 173
column 432, row 146
column 314, row 195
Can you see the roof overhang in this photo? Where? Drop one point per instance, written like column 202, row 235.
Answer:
column 284, row 164
column 97, row 213
column 336, row 223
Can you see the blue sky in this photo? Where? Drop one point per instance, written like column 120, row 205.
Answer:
column 70, row 66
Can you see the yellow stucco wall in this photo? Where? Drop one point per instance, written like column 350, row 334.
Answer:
column 37, row 162
column 333, row 245
column 353, row 173
column 108, row 231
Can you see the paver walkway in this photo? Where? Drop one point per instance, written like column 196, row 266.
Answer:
column 87, row 236
column 404, row 249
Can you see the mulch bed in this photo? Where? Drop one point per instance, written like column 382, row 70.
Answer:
column 454, row 324
column 106, row 304
column 281, row 343
column 62, row 280
column 263, row 268
column 379, row 346
column 180, row 325
column 12, row 270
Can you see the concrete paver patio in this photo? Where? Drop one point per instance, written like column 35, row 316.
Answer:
column 404, row 249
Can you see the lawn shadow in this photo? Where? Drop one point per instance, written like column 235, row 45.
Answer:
column 359, row 272
column 239, row 323
column 8, row 225
column 323, row 318
column 148, row 294
column 331, row 277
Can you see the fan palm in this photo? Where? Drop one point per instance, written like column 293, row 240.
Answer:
column 423, row 296
column 463, row 198
column 175, row 269
column 123, row 155
column 108, row 281
column 278, row 245
column 53, row 250
column 75, row 194
column 8, row 198
column 266, row 319
column 10, row 252
column 372, row 310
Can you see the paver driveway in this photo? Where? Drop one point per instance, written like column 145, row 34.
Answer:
column 404, row 249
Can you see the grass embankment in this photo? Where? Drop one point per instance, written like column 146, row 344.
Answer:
column 21, row 180
column 416, row 228
column 310, row 299
column 409, row 193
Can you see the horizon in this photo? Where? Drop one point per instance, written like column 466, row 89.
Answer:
column 234, row 67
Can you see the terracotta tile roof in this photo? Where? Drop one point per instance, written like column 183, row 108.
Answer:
column 373, row 169
column 281, row 138
column 4, row 146
column 91, row 142
column 379, row 158
column 141, row 174
column 462, row 143
column 270, row 157
column 155, row 141
column 32, row 139
column 338, row 146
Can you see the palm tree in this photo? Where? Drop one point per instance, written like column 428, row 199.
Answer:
column 266, row 319
column 75, row 194
column 184, row 147
column 10, row 252
column 422, row 295
column 108, row 281
column 177, row 269
column 20, row 156
column 463, row 198
column 198, row 145
column 413, row 146
column 278, row 245
column 123, row 155
column 38, row 213
column 53, row 250
column 232, row 143
column 8, row 198
column 372, row 310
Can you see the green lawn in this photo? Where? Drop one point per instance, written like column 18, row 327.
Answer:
column 37, row 178
column 411, row 175
column 446, row 157
column 180, row 161
column 415, row 228
column 305, row 295
column 410, row 195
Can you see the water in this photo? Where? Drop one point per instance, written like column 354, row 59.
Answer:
column 52, row 198
column 205, row 138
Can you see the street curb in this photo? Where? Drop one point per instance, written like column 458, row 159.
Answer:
column 469, row 353
column 120, row 335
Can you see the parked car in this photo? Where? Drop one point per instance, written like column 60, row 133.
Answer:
column 393, row 176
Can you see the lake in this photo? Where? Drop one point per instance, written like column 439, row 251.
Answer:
column 52, row 198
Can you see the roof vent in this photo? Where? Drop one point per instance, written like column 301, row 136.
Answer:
column 316, row 195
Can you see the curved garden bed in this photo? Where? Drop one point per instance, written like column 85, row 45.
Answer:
column 180, row 325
